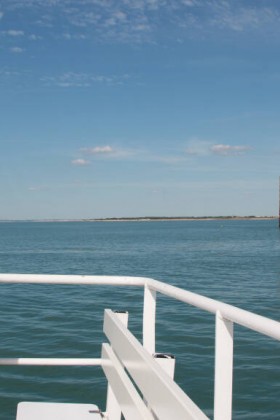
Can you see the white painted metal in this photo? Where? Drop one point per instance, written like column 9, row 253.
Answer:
column 223, row 368
column 247, row 319
column 49, row 362
column 227, row 315
column 149, row 320
column 132, row 405
column 123, row 317
column 72, row 279
column 113, row 409
column 167, row 362
column 57, row 411
column 162, row 394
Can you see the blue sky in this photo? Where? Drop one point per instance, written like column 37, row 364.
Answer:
column 139, row 108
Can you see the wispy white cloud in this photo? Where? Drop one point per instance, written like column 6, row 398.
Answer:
column 204, row 148
column 72, row 79
column 226, row 150
column 139, row 21
column 243, row 17
column 168, row 160
column 80, row 162
column 123, row 21
column 67, row 80
column 189, row 2
column 37, row 188
column 34, row 37
column 108, row 152
column 116, row 18
column 17, row 50
column 5, row 72
column 198, row 147
column 13, row 32
column 70, row 36
column 195, row 148
column 97, row 150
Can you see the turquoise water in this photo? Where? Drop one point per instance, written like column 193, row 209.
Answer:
column 234, row 261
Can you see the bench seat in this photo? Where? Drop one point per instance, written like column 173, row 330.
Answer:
column 139, row 388
column 57, row 411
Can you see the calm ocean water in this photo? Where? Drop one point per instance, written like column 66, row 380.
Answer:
column 234, row 261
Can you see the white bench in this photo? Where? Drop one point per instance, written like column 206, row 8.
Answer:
column 139, row 388
column 57, row 411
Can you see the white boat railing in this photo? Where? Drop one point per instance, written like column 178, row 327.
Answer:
column 226, row 317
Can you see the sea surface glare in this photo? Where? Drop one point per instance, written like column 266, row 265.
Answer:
column 236, row 261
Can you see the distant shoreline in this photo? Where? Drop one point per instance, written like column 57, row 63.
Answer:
column 167, row 219
column 146, row 219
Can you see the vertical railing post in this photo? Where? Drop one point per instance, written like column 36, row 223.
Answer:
column 149, row 320
column 113, row 410
column 223, row 368
column 167, row 362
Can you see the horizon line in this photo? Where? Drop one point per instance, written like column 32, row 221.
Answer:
column 141, row 218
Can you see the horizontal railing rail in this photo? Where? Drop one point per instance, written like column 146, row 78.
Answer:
column 239, row 316
column 73, row 279
column 226, row 316
column 37, row 361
